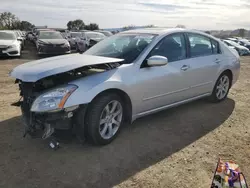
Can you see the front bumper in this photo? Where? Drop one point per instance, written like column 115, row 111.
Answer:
column 43, row 125
column 53, row 50
column 12, row 52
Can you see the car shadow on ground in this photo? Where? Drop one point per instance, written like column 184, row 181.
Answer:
column 140, row 145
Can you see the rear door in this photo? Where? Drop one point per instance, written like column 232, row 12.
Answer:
column 203, row 63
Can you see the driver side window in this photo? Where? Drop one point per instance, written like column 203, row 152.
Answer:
column 173, row 47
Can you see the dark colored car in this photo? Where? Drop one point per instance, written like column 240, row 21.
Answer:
column 52, row 42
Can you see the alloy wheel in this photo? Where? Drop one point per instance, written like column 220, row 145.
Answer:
column 222, row 87
column 110, row 120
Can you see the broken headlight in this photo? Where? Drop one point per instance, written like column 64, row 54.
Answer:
column 53, row 100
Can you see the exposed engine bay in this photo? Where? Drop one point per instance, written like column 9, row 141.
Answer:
column 44, row 124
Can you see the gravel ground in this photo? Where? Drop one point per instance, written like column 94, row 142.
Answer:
column 174, row 148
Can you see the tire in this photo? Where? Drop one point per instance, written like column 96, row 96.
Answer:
column 77, row 49
column 101, row 134
column 215, row 96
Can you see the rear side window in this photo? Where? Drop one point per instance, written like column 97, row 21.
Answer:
column 173, row 47
column 199, row 45
column 216, row 47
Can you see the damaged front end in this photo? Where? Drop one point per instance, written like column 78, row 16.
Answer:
column 42, row 102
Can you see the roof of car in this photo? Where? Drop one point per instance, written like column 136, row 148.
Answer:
column 94, row 32
column 7, row 31
column 49, row 31
column 230, row 41
column 161, row 31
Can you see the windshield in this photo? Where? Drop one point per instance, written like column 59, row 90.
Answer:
column 125, row 46
column 7, row 36
column 74, row 35
column 94, row 35
column 50, row 35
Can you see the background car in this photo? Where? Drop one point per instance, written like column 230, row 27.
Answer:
column 37, row 32
column 87, row 40
column 245, row 43
column 10, row 44
column 233, row 39
column 20, row 37
column 72, row 37
column 240, row 49
column 52, row 42
column 91, row 38
column 106, row 33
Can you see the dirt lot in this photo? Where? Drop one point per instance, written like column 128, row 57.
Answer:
column 176, row 148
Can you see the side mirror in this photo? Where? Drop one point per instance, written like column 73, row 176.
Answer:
column 19, row 39
column 157, row 60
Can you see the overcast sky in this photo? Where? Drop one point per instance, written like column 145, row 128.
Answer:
column 198, row 14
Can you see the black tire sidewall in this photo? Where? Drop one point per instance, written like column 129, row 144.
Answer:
column 93, row 117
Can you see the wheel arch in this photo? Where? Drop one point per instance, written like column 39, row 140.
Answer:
column 125, row 98
column 230, row 74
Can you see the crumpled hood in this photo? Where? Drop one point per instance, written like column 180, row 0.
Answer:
column 52, row 41
column 36, row 70
column 6, row 42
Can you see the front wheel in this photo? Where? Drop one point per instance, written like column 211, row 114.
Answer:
column 221, row 88
column 104, row 119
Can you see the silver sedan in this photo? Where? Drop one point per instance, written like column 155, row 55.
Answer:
column 122, row 78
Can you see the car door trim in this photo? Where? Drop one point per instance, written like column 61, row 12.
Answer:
column 164, row 94
column 202, row 84
column 170, row 105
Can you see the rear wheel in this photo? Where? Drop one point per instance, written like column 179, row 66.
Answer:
column 104, row 119
column 221, row 88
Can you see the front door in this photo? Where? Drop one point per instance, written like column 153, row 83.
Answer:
column 165, row 84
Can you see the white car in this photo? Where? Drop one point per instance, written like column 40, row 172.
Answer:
column 10, row 44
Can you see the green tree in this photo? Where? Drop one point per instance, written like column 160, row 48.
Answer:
column 75, row 25
column 128, row 27
column 8, row 20
column 91, row 26
column 25, row 25
column 241, row 32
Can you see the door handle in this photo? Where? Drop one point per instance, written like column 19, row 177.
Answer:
column 185, row 67
column 217, row 61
